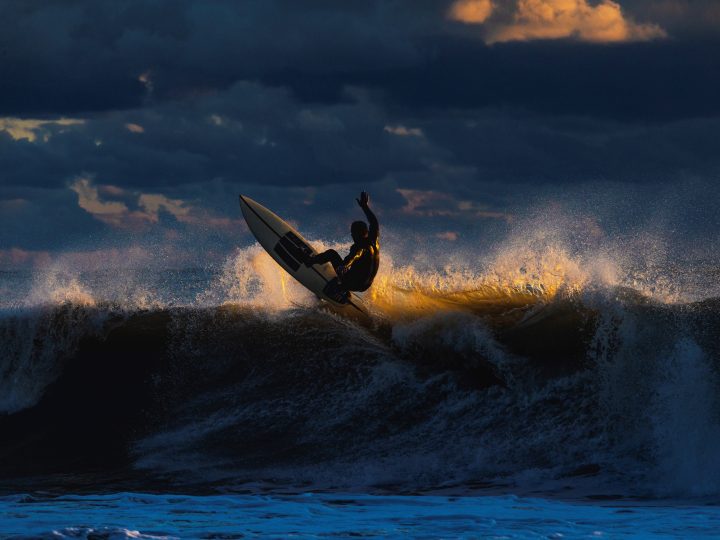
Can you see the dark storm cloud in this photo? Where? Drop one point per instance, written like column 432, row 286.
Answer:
column 683, row 19
column 248, row 133
column 73, row 56
column 199, row 100
column 48, row 67
column 67, row 57
column 251, row 134
column 515, row 147
column 638, row 81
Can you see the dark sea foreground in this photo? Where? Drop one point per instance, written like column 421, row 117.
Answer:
column 310, row 515
column 164, row 408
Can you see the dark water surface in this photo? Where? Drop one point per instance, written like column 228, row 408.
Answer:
column 131, row 515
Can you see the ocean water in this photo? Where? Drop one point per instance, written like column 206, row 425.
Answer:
column 543, row 392
column 311, row 515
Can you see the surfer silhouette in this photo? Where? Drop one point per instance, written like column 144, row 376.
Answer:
column 357, row 271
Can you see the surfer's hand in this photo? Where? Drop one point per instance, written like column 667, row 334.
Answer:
column 363, row 200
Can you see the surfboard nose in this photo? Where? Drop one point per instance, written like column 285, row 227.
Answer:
column 245, row 207
column 244, row 199
column 245, row 203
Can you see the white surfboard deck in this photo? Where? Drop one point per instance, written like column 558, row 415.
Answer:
column 285, row 245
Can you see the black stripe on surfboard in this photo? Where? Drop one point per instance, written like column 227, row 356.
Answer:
column 280, row 236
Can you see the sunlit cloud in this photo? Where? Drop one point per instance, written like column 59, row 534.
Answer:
column 551, row 19
column 471, row 11
column 153, row 203
column 89, row 200
column 134, row 128
column 429, row 203
column 109, row 190
column 403, row 131
column 450, row 236
column 603, row 22
column 134, row 210
column 30, row 129
column 146, row 79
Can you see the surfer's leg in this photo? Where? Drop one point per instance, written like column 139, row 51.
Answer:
column 352, row 283
column 330, row 256
column 336, row 290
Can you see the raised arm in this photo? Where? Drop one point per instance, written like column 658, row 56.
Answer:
column 364, row 202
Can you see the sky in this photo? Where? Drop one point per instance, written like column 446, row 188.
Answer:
column 141, row 121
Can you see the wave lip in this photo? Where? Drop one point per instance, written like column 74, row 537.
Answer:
column 576, row 390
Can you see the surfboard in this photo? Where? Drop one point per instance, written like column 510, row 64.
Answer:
column 289, row 249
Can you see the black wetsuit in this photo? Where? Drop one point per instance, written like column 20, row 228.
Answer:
column 357, row 271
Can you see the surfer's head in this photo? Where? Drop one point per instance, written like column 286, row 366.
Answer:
column 359, row 231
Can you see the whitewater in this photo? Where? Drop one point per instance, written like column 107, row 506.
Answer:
column 543, row 388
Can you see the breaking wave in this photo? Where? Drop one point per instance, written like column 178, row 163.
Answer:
column 546, row 372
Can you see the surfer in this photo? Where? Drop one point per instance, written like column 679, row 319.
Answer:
column 357, row 271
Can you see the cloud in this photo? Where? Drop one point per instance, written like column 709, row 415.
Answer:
column 402, row 131
column 471, row 11
column 681, row 18
column 134, row 128
column 431, row 203
column 29, row 129
column 69, row 56
column 132, row 210
column 428, row 203
column 449, row 236
column 65, row 56
column 89, row 200
column 116, row 213
column 353, row 95
column 603, row 22
column 153, row 203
